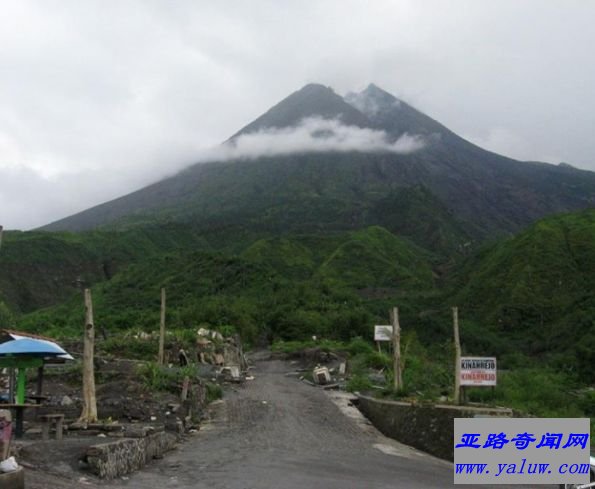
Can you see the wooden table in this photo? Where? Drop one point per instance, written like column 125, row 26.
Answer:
column 38, row 399
column 19, row 411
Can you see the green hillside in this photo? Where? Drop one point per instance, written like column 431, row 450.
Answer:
column 376, row 258
column 529, row 300
column 537, row 291
column 39, row 269
column 289, row 287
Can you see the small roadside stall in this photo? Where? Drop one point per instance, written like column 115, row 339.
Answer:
column 18, row 353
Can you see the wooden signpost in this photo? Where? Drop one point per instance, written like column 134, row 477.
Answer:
column 397, row 367
column 455, row 325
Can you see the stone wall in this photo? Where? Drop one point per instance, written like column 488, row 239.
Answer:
column 13, row 480
column 118, row 458
column 429, row 428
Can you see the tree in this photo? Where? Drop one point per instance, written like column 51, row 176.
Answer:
column 89, row 414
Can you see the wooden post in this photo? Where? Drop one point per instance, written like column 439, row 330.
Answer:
column 398, row 379
column 455, row 324
column 161, row 356
column 89, row 414
column 1, row 231
column 185, row 387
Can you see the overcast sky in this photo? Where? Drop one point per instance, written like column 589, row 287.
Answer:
column 98, row 98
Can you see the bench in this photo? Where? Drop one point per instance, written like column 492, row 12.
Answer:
column 46, row 422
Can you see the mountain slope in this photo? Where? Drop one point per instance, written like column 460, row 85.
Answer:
column 538, row 289
column 484, row 194
column 291, row 287
column 40, row 269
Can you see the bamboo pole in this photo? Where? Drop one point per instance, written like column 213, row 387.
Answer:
column 397, row 368
column 455, row 324
column 161, row 356
column 89, row 413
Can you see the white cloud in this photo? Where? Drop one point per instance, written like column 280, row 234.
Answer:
column 313, row 135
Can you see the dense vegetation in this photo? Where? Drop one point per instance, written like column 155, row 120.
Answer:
column 288, row 288
column 537, row 293
column 527, row 299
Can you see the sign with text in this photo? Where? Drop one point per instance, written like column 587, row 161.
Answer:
column 383, row 333
column 521, row 451
column 478, row 371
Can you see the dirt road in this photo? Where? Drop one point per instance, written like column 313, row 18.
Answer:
column 279, row 433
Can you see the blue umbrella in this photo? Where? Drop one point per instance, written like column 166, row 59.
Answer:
column 31, row 347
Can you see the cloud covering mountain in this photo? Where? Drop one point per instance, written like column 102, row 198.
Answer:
column 313, row 135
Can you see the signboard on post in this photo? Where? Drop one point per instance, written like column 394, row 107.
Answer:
column 478, row 371
column 383, row 333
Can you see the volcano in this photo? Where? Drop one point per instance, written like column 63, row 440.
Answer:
column 442, row 192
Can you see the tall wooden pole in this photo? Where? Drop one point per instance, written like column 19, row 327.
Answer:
column 397, row 370
column 89, row 414
column 161, row 356
column 455, row 324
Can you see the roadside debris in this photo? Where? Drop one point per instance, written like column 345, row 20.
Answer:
column 9, row 465
column 321, row 375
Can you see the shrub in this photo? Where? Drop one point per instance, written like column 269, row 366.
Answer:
column 359, row 383
column 214, row 392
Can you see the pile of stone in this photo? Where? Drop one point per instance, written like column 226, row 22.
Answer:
column 225, row 353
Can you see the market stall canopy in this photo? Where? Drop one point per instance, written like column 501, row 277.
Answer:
column 40, row 345
column 31, row 348
column 22, row 351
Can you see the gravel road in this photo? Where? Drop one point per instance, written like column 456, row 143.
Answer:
column 277, row 432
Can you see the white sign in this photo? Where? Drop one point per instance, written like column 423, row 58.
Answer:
column 478, row 371
column 383, row 333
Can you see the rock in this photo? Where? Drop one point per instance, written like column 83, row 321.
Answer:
column 101, row 435
column 66, row 401
column 33, row 431
column 139, row 431
column 377, row 378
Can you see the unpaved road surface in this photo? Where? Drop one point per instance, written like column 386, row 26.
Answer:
column 276, row 432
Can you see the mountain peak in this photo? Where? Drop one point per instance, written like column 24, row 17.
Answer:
column 312, row 100
column 375, row 90
column 312, row 88
column 372, row 100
